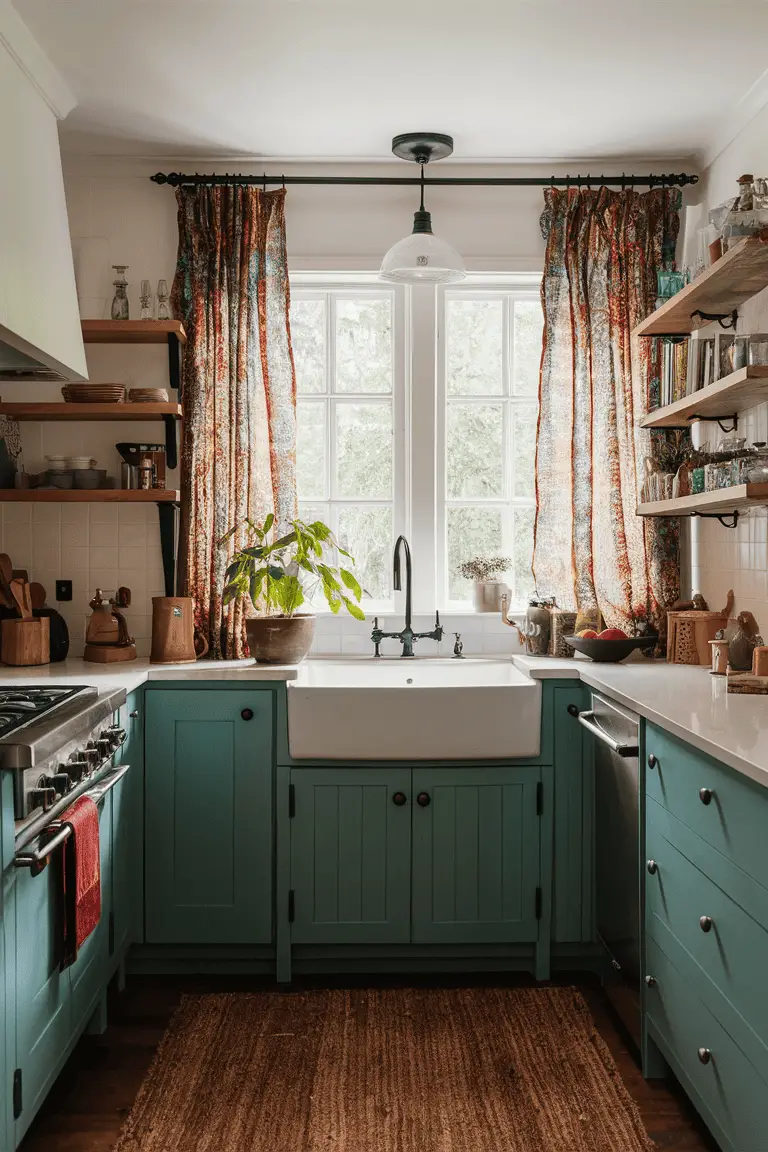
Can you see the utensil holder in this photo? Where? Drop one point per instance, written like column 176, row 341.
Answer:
column 26, row 642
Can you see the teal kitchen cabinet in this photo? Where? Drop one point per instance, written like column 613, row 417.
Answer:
column 208, row 816
column 128, row 832
column 476, row 844
column 350, row 855
column 573, row 861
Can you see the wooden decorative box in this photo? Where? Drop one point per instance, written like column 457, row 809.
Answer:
column 689, row 634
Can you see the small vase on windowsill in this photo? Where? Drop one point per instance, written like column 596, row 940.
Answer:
column 487, row 595
column 484, row 571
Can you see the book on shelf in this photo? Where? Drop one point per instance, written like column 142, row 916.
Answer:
column 676, row 377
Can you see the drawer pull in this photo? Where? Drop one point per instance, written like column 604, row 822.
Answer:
column 705, row 923
column 652, row 761
column 247, row 713
column 399, row 799
column 133, row 714
column 705, row 795
column 650, row 981
column 704, row 1055
column 652, row 867
column 423, row 799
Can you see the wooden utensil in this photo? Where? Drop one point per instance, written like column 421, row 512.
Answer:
column 37, row 595
column 20, row 595
column 6, row 596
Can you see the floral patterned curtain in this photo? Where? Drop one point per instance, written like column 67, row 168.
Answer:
column 239, row 388
column 590, row 548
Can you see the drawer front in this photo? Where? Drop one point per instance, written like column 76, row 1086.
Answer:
column 727, row 1089
column 728, row 944
column 736, row 816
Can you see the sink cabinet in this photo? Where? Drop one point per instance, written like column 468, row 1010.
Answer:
column 475, row 855
column 350, row 856
column 208, row 797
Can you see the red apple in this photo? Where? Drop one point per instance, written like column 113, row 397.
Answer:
column 612, row 634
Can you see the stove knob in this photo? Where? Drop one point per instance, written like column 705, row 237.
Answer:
column 60, row 782
column 116, row 735
column 78, row 767
column 91, row 753
column 104, row 747
column 42, row 798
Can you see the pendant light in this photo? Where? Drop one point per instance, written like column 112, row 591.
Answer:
column 422, row 257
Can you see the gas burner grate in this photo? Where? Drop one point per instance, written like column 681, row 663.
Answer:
column 20, row 706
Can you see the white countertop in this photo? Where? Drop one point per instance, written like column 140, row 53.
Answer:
column 133, row 673
column 686, row 701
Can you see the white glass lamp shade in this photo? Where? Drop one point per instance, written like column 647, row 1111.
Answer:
column 422, row 258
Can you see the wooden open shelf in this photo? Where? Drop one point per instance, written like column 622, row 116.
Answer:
column 132, row 331
column 89, row 495
column 724, row 286
column 734, row 393
column 719, row 503
column 148, row 411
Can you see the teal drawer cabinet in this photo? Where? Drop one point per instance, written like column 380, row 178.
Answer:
column 475, row 855
column 208, row 813
column 350, row 855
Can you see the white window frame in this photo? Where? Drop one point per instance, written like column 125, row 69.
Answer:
column 338, row 287
column 419, row 417
column 509, row 288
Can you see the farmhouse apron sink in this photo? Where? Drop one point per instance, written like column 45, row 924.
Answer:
column 429, row 709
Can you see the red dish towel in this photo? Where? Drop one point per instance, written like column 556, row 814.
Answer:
column 82, row 877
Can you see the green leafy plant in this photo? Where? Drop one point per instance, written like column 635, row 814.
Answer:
column 277, row 573
column 484, row 567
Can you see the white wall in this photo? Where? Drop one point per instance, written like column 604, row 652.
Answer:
column 724, row 558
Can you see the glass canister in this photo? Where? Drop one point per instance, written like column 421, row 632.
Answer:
column 758, row 470
column 758, row 348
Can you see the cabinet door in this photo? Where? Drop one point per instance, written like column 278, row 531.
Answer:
column 208, row 817
column 475, row 855
column 42, row 993
column 88, row 974
column 351, row 855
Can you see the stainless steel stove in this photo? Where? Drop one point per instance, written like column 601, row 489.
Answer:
column 58, row 742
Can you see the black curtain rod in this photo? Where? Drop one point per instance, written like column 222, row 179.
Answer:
column 181, row 179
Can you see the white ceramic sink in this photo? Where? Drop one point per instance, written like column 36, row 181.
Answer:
column 428, row 709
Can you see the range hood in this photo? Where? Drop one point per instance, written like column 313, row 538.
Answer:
column 18, row 365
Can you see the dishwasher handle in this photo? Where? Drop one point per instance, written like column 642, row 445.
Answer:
column 587, row 720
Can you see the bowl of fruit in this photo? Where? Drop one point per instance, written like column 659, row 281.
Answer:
column 610, row 645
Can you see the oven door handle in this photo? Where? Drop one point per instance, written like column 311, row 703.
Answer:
column 37, row 860
column 587, row 720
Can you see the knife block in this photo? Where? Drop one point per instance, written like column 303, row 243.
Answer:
column 26, row 641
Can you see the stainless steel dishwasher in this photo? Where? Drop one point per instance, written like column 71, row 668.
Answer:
column 617, row 853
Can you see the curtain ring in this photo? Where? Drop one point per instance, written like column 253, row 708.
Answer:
column 623, row 182
column 283, row 175
column 264, row 183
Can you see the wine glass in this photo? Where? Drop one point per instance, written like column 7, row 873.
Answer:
column 163, row 310
column 145, row 297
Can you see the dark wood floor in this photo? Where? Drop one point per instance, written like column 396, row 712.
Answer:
column 87, row 1105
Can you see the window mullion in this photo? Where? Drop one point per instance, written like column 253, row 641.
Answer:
column 423, row 445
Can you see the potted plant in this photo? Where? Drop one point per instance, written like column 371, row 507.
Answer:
column 277, row 576
column 488, row 591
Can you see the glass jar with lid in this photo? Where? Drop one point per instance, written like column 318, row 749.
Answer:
column 758, row 471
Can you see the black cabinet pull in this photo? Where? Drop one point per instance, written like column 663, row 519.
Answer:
column 423, row 799
column 247, row 713
column 572, row 710
column 705, row 923
column 652, row 867
column 652, row 761
column 705, row 795
column 650, row 981
column 704, row 1055
column 399, row 799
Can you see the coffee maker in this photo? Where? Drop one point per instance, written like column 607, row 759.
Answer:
column 133, row 454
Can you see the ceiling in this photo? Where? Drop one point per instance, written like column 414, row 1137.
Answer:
column 336, row 79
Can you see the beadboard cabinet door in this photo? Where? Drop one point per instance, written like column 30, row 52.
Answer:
column 351, row 855
column 476, row 836
column 208, row 812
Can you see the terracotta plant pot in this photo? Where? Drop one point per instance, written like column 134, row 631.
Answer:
column 280, row 639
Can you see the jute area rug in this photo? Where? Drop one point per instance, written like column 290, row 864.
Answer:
column 390, row 1070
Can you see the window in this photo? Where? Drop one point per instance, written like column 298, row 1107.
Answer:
column 347, row 346
column 417, row 412
column 489, row 356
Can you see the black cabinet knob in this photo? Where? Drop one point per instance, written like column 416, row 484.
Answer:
column 705, row 923
column 704, row 1055
column 652, row 867
column 705, row 795
column 650, row 981
column 423, row 799
column 399, row 799
column 652, row 761
column 247, row 713
column 572, row 710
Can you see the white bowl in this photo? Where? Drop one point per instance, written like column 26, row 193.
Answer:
column 58, row 463
column 80, row 462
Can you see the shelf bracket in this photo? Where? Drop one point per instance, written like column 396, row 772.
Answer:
column 174, row 362
column 171, row 441
column 724, row 319
column 734, row 419
column 733, row 517
column 168, row 514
